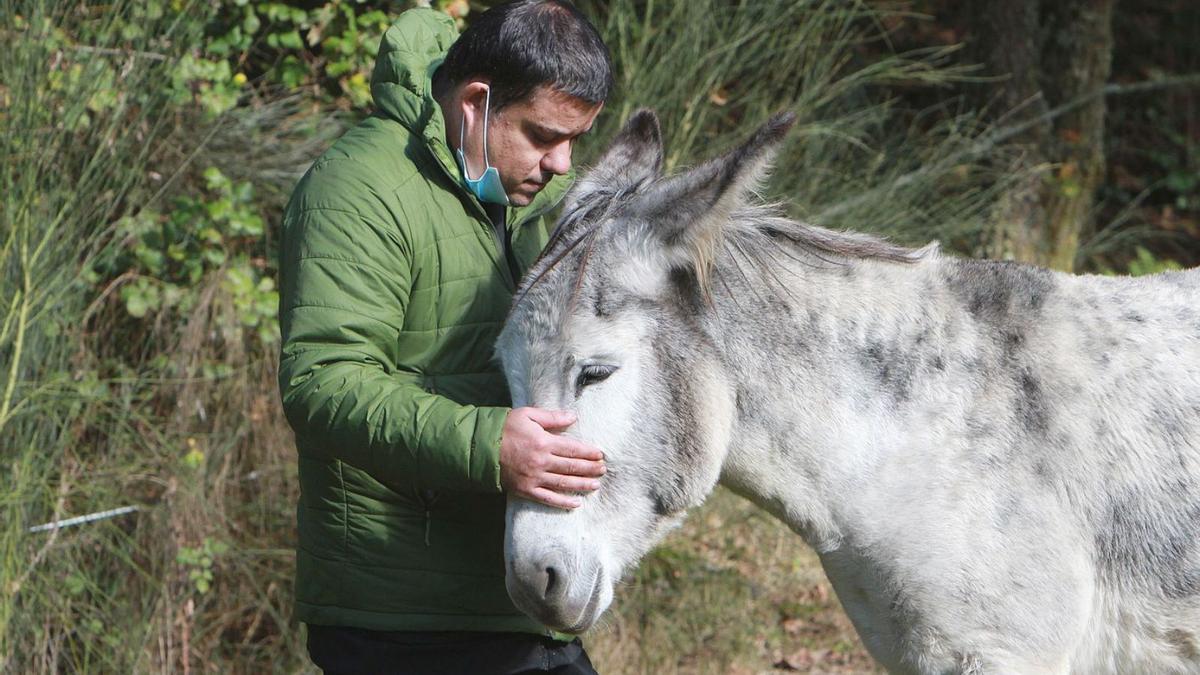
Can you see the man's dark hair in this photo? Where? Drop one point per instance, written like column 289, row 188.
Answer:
column 520, row 45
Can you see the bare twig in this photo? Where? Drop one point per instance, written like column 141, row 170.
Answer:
column 988, row 141
column 106, row 51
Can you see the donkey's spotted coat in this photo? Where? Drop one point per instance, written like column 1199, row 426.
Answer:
column 998, row 465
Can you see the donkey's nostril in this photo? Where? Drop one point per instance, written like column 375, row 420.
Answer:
column 551, row 582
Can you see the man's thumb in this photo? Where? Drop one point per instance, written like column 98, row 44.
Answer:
column 552, row 419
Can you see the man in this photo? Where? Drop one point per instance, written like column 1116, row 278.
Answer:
column 401, row 250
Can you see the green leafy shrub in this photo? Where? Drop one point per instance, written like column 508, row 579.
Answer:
column 210, row 83
column 329, row 48
column 198, row 562
column 167, row 257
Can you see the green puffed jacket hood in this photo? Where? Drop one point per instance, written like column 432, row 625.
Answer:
column 393, row 289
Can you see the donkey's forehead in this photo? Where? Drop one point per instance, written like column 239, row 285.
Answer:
column 579, row 240
column 542, row 306
column 589, row 284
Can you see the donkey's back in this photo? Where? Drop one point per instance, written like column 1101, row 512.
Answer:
column 1138, row 340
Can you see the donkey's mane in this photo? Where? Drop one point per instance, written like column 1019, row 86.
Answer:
column 757, row 232
column 763, row 227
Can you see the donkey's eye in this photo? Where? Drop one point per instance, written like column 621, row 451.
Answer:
column 591, row 375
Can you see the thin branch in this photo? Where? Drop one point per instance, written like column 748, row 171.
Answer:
column 108, row 51
column 989, row 141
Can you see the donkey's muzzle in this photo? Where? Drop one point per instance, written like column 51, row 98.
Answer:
column 544, row 591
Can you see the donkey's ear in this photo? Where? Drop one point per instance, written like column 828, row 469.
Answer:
column 686, row 213
column 634, row 157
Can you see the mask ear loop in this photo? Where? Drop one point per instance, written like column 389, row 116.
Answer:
column 462, row 136
column 487, row 107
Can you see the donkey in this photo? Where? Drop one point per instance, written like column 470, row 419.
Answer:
column 998, row 465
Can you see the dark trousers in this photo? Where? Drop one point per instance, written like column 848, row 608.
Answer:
column 340, row 650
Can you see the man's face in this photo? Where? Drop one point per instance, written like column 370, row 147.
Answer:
column 530, row 141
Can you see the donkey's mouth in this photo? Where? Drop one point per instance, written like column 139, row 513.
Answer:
column 589, row 613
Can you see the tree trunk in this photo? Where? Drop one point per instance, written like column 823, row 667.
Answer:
column 1049, row 52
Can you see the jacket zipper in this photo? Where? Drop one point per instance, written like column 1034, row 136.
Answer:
column 428, row 499
column 504, row 242
column 511, row 229
column 545, row 209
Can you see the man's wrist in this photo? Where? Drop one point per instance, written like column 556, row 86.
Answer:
column 485, row 446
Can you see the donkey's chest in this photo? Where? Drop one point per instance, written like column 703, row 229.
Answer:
column 948, row 605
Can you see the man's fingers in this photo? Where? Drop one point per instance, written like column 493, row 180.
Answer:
column 565, row 446
column 551, row 420
column 551, row 498
column 576, row 467
column 561, row 483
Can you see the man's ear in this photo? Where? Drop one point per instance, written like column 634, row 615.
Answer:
column 470, row 104
column 685, row 214
column 633, row 159
column 473, row 93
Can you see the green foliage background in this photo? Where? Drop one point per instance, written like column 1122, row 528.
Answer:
column 148, row 148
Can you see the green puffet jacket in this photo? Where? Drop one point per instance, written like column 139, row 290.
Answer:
column 392, row 292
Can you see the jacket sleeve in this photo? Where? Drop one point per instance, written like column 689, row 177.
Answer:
column 344, row 288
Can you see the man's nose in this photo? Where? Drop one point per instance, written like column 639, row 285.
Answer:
column 558, row 160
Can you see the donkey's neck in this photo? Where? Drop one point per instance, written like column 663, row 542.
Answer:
column 827, row 361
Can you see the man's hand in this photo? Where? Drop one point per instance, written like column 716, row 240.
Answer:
column 539, row 465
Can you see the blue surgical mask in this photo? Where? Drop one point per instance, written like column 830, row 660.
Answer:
column 487, row 187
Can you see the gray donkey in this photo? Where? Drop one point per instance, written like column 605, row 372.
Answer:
column 998, row 465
